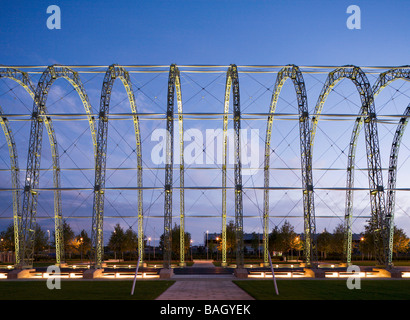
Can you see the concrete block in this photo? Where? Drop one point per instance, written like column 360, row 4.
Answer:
column 314, row 273
column 166, row 273
column 391, row 273
column 241, row 273
column 93, row 273
column 20, row 274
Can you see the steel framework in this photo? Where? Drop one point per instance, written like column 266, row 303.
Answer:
column 293, row 72
column 232, row 82
column 382, row 215
column 23, row 80
column 30, row 195
column 97, row 244
column 174, row 87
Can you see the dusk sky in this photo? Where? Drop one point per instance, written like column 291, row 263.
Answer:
column 212, row 32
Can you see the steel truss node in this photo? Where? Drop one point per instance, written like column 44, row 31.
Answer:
column 174, row 87
column 293, row 72
column 232, row 82
column 111, row 75
column 39, row 117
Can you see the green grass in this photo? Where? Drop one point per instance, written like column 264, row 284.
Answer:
column 327, row 290
column 83, row 290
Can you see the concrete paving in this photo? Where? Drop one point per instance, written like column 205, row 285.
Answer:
column 204, row 290
column 204, row 287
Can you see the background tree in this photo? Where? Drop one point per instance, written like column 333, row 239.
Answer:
column 366, row 245
column 83, row 243
column 255, row 241
column 40, row 239
column 285, row 238
column 324, row 243
column 175, row 243
column 131, row 242
column 400, row 241
column 8, row 238
column 69, row 239
column 230, row 239
column 337, row 240
column 116, row 241
column 273, row 239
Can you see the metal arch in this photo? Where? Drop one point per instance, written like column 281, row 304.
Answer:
column 23, row 80
column 39, row 116
column 14, row 168
column 367, row 114
column 391, row 182
column 382, row 82
column 294, row 73
column 113, row 72
column 232, row 82
column 174, row 86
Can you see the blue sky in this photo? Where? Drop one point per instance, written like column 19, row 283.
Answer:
column 244, row 32
column 205, row 32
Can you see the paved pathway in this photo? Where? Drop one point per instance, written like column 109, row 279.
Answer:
column 204, row 287
column 204, row 290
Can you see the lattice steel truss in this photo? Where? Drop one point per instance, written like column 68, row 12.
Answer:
column 292, row 72
column 114, row 72
column 382, row 212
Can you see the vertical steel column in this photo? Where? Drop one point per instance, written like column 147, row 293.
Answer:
column 174, row 85
column 232, row 81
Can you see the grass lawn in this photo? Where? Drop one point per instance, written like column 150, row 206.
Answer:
column 83, row 290
column 327, row 290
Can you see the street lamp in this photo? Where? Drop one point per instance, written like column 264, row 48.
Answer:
column 192, row 241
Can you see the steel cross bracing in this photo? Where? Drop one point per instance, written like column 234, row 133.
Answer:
column 114, row 72
column 174, row 87
column 293, row 72
column 39, row 116
column 382, row 215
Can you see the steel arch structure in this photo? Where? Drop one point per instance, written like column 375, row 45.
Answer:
column 367, row 114
column 23, row 80
column 30, row 195
column 232, row 83
column 174, row 88
column 15, row 181
column 382, row 217
column 382, row 82
column 293, row 72
column 382, row 211
column 391, row 182
column 113, row 72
